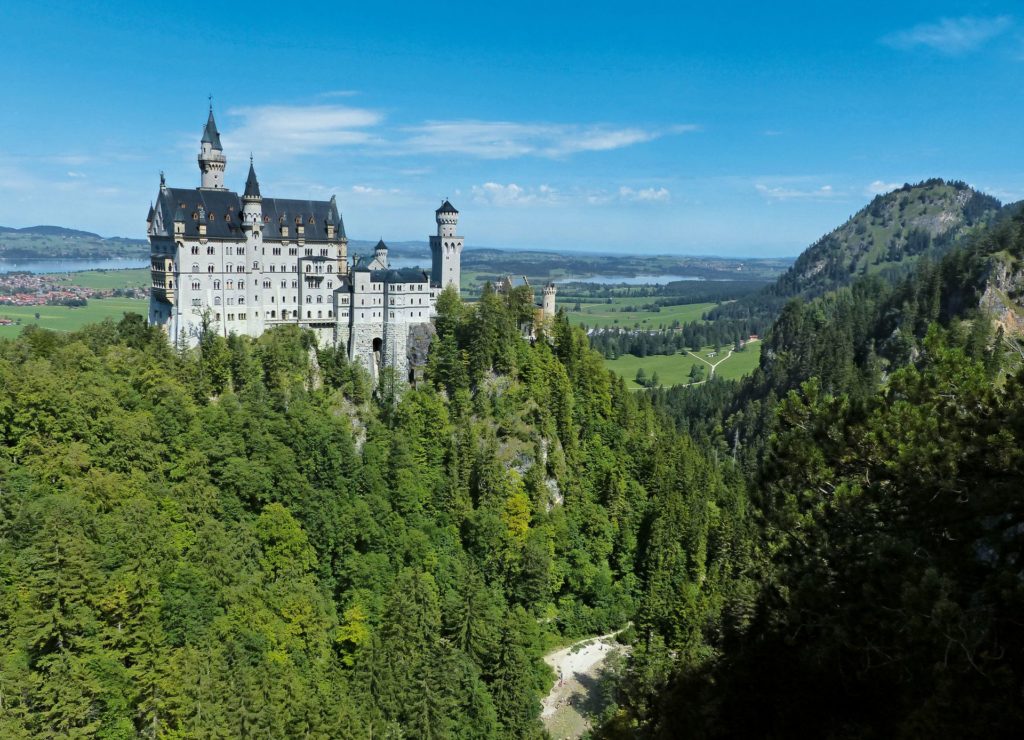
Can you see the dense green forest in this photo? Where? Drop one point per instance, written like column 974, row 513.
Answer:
column 242, row 540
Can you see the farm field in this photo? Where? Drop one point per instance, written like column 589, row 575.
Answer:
column 613, row 315
column 675, row 369
column 65, row 318
column 109, row 279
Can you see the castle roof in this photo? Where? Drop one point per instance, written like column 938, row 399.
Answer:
column 252, row 185
column 223, row 210
column 380, row 245
column 405, row 275
column 210, row 134
column 446, row 207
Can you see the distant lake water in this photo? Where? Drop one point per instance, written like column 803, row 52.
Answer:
column 71, row 265
column 629, row 279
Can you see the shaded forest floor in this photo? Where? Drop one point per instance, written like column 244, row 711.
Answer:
column 575, row 699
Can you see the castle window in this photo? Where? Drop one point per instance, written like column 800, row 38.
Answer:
column 230, row 284
column 216, row 300
column 273, row 314
column 309, row 299
column 231, row 300
column 311, row 221
column 298, row 220
column 227, row 216
column 195, row 285
column 231, row 317
column 266, row 219
column 209, row 268
column 195, row 216
column 330, row 284
column 256, row 265
column 241, row 300
column 209, row 249
column 195, row 249
column 330, row 314
column 216, row 284
column 276, row 251
column 330, row 268
column 241, row 317
column 307, row 268
column 309, row 252
column 197, row 301
column 195, row 267
column 216, row 317
column 228, row 268
column 284, row 283
column 295, row 283
column 309, row 314
column 241, row 285
column 273, row 268
column 319, row 299
column 293, row 251
column 319, row 314
column 266, row 283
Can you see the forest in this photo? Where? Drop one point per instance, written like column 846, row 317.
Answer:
column 248, row 539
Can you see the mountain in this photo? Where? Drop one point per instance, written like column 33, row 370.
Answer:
column 49, row 231
column 887, row 238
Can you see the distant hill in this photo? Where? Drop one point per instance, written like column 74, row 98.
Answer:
column 58, row 242
column 886, row 237
column 49, row 231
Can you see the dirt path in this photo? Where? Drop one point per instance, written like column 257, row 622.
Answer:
column 713, row 365
column 573, row 698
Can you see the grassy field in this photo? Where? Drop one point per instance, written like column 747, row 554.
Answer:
column 675, row 369
column 109, row 279
column 612, row 314
column 63, row 318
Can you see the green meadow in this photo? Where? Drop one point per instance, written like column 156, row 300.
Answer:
column 614, row 314
column 675, row 369
column 65, row 318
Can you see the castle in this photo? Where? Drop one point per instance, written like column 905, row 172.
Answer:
column 242, row 265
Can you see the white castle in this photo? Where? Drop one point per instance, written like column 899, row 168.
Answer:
column 242, row 265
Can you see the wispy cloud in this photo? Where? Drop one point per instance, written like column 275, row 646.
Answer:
column 879, row 187
column 951, row 36
column 372, row 192
column 497, row 194
column 506, row 139
column 645, row 195
column 783, row 192
column 282, row 129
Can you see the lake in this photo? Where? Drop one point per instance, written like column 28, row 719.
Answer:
column 628, row 279
column 71, row 265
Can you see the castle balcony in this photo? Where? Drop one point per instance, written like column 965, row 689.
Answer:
column 162, row 292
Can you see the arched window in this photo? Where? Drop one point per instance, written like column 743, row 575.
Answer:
column 230, row 284
column 241, row 300
column 255, row 265
column 229, row 268
column 330, row 314
column 216, row 300
column 241, row 285
column 195, row 249
column 330, row 268
column 195, row 285
column 209, row 268
column 195, row 267
column 309, row 314
column 309, row 299
column 319, row 314
column 209, row 249
column 319, row 299
column 216, row 284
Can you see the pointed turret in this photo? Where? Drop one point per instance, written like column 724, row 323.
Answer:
column 210, row 134
column 446, row 248
column 212, row 161
column 252, row 185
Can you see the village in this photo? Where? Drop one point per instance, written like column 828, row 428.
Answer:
column 31, row 289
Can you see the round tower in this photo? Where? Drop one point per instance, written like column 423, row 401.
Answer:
column 446, row 249
column 548, row 304
column 212, row 161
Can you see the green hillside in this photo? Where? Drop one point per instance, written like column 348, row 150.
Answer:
column 887, row 237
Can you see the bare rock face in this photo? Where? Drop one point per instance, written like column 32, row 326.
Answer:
column 1003, row 294
column 417, row 348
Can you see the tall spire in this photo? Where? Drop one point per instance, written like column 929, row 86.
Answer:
column 210, row 134
column 252, row 185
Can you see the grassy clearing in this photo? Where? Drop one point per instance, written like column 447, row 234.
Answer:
column 64, row 318
column 613, row 315
column 675, row 369
column 108, row 279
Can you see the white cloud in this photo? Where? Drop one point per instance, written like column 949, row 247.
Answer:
column 496, row 194
column 72, row 173
column 373, row 192
column 278, row 129
column 950, row 35
column 649, row 195
column 878, row 187
column 506, row 139
column 782, row 192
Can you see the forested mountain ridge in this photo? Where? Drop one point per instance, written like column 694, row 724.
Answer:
column 886, row 238
column 881, row 438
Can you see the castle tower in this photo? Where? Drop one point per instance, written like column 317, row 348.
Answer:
column 252, row 202
column 446, row 249
column 211, row 156
column 380, row 257
column 548, row 304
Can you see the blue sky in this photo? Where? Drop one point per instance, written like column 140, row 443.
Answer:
column 744, row 129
